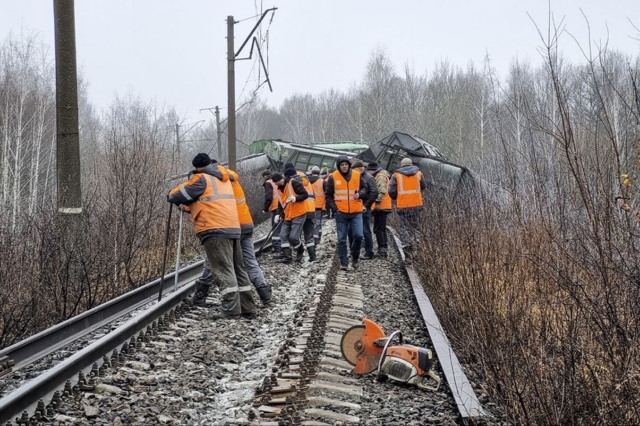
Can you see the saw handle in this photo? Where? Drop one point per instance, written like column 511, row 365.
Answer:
column 379, row 376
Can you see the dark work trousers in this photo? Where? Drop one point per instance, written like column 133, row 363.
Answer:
column 366, row 231
column 250, row 262
column 291, row 231
column 275, row 238
column 346, row 222
column 317, row 226
column 409, row 219
column 307, row 230
column 380, row 228
column 230, row 275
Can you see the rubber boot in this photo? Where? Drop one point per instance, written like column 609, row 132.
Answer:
column 286, row 255
column 300, row 253
column 199, row 297
column 265, row 294
column 312, row 253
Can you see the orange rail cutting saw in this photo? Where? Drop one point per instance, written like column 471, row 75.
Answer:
column 368, row 349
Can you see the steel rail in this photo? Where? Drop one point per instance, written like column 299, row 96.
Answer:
column 465, row 397
column 28, row 395
column 44, row 343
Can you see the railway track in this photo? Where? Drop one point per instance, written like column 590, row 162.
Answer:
column 147, row 323
column 196, row 371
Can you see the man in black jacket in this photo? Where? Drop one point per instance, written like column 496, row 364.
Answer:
column 273, row 205
column 372, row 188
column 346, row 190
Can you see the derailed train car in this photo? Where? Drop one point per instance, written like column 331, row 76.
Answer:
column 438, row 171
column 303, row 157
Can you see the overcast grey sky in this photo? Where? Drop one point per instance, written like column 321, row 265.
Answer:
column 175, row 51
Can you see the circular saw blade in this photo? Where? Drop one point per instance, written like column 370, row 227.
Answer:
column 351, row 343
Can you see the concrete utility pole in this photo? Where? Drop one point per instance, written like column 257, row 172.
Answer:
column 231, row 95
column 218, row 133
column 231, row 79
column 67, row 136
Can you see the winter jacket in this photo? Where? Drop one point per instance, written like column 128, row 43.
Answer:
column 407, row 171
column 372, row 189
column 330, row 191
column 209, row 194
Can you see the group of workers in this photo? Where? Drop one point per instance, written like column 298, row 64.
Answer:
column 354, row 194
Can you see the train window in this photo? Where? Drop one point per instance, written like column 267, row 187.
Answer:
column 315, row 160
column 303, row 157
column 327, row 163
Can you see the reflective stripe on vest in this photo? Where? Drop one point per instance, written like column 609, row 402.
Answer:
column 244, row 214
column 310, row 201
column 385, row 204
column 295, row 209
column 318, row 191
column 409, row 193
column 215, row 208
column 276, row 196
column 344, row 191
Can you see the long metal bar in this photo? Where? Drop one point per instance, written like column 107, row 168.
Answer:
column 231, row 97
column 14, row 403
column 465, row 397
column 177, row 268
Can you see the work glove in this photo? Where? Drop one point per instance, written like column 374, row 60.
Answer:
column 291, row 199
column 276, row 219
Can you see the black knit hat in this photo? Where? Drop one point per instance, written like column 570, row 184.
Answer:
column 372, row 166
column 201, row 160
column 288, row 166
column 275, row 177
column 290, row 172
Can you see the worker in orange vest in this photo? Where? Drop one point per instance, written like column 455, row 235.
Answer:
column 273, row 205
column 319, row 188
column 382, row 207
column 405, row 187
column 294, row 196
column 346, row 190
column 307, row 228
column 209, row 195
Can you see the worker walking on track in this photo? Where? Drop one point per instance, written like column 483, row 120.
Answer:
column 319, row 188
column 295, row 213
column 372, row 190
column 345, row 191
column 209, row 194
column 273, row 205
column 382, row 207
column 406, row 186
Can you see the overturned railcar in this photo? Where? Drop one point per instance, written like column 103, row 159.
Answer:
column 303, row 157
column 438, row 171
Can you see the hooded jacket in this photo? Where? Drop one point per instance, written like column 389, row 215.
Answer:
column 407, row 171
column 330, row 191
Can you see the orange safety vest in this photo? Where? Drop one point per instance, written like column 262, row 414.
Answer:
column 409, row 193
column 215, row 208
column 344, row 191
column 385, row 204
column 310, row 202
column 318, row 192
column 276, row 196
column 295, row 209
column 244, row 214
